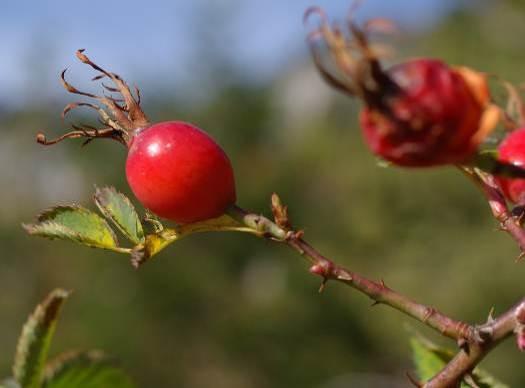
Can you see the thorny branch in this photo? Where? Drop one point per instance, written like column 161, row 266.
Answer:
column 509, row 221
column 123, row 116
column 490, row 335
column 359, row 74
column 474, row 341
column 329, row 270
column 495, row 330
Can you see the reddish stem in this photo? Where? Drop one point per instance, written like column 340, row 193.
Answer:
column 377, row 291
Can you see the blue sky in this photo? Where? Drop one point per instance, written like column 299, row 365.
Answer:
column 156, row 39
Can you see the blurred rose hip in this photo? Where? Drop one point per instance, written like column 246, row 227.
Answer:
column 418, row 113
column 432, row 118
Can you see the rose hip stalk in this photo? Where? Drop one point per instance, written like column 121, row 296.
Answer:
column 417, row 113
column 174, row 169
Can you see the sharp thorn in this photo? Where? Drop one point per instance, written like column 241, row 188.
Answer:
column 490, row 317
column 323, row 285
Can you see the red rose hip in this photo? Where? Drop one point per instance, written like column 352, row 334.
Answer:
column 174, row 169
column 178, row 172
column 512, row 150
column 432, row 119
column 418, row 113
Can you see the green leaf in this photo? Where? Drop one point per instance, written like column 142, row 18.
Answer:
column 118, row 208
column 488, row 162
column 156, row 242
column 90, row 369
column 429, row 359
column 427, row 362
column 74, row 223
column 33, row 344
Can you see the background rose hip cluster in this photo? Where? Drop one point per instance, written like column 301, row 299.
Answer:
column 242, row 313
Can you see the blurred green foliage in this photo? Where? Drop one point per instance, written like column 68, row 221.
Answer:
column 229, row 310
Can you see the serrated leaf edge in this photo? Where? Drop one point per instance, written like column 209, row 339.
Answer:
column 33, row 229
column 44, row 316
column 106, row 213
column 42, row 219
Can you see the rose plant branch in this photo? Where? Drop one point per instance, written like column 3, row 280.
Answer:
column 498, row 206
column 490, row 335
column 379, row 292
column 475, row 342
column 419, row 113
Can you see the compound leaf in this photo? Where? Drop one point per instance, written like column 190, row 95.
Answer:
column 118, row 208
column 74, row 223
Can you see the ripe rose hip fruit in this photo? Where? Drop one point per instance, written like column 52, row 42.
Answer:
column 177, row 171
column 431, row 120
column 174, row 169
column 418, row 113
column 512, row 150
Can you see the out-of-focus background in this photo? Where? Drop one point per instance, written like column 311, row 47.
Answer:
column 229, row 310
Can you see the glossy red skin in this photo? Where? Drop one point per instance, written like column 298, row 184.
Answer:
column 512, row 150
column 180, row 173
column 433, row 119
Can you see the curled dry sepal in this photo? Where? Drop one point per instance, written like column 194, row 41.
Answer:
column 79, row 369
column 147, row 236
column 120, row 116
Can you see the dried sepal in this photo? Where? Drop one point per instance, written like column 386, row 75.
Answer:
column 121, row 116
column 79, row 133
column 359, row 72
column 491, row 114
